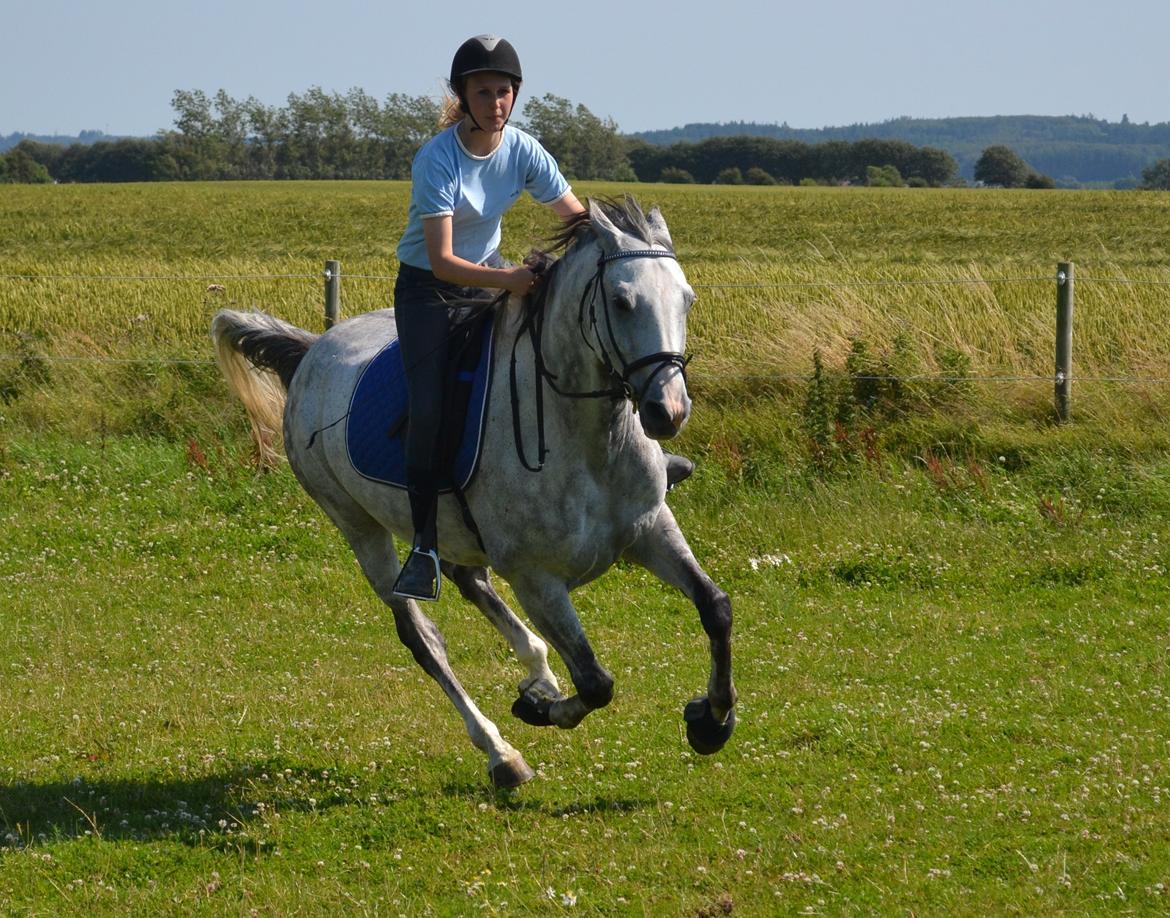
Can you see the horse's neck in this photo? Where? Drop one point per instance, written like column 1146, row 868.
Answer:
column 600, row 425
column 569, row 347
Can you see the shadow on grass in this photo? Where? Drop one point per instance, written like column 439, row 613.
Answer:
column 231, row 808
column 516, row 801
column 211, row 810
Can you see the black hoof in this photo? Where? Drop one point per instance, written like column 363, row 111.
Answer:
column 534, row 702
column 512, row 773
column 705, row 734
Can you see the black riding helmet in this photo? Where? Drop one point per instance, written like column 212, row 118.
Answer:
column 484, row 53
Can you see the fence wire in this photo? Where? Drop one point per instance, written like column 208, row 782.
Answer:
column 201, row 278
column 696, row 374
column 894, row 282
column 213, row 278
column 771, row 285
column 1057, row 278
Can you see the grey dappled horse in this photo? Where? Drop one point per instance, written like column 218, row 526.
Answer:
column 607, row 328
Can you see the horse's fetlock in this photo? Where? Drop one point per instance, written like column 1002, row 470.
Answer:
column 596, row 690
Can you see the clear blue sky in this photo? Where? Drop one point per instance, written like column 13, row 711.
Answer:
column 112, row 66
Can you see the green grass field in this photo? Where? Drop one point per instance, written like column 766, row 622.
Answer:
column 952, row 635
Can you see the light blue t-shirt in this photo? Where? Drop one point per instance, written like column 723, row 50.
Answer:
column 475, row 191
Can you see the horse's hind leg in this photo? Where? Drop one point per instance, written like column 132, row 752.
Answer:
column 540, row 689
column 664, row 551
column 374, row 548
column 546, row 600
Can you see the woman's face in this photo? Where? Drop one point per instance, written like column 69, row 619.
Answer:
column 490, row 98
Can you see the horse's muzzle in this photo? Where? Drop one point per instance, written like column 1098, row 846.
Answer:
column 663, row 418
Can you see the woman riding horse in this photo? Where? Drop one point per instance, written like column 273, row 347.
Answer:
column 606, row 336
column 463, row 181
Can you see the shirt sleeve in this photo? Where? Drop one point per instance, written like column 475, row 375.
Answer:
column 432, row 188
column 543, row 178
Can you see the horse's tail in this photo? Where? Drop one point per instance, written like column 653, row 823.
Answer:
column 258, row 355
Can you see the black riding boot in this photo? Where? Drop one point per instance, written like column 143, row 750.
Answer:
column 420, row 577
column 678, row 468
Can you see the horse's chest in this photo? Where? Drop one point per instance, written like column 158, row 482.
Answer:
column 580, row 526
column 604, row 518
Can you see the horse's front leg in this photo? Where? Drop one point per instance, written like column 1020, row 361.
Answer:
column 546, row 600
column 664, row 551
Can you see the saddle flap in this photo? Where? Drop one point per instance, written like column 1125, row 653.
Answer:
column 375, row 433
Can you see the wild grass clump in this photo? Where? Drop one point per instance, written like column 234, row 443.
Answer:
column 847, row 415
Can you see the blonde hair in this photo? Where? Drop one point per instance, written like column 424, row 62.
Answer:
column 450, row 112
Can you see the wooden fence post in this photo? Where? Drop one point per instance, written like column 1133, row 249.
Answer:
column 1064, row 316
column 332, row 293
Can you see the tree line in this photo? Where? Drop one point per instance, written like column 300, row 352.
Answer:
column 316, row 135
column 760, row 160
column 322, row 135
column 1074, row 149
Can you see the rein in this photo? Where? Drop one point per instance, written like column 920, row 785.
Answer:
column 623, row 389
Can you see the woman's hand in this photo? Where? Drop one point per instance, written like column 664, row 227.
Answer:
column 520, row 281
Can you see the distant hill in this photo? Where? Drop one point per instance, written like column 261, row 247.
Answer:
column 1074, row 150
column 60, row 140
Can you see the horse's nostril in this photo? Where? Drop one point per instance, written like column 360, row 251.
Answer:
column 658, row 421
column 655, row 413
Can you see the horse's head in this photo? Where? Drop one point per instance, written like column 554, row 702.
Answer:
column 634, row 312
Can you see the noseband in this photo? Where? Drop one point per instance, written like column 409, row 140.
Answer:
column 624, row 388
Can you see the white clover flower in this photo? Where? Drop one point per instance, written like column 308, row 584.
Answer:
column 769, row 560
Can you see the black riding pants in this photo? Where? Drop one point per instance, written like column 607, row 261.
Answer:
column 424, row 309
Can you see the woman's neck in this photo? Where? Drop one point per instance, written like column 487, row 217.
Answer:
column 477, row 142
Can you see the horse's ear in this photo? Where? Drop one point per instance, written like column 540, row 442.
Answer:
column 607, row 233
column 658, row 224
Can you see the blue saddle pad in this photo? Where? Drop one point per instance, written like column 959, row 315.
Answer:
column 375, row 435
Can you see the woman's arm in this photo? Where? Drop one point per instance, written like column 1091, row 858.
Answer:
column 449, row 267
column 567, row 206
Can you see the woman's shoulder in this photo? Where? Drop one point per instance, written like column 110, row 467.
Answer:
column 440, row 142
column 520, row 137
column 438, row 153
column 523, row 143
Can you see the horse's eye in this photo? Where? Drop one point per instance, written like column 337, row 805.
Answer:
column 623, row 302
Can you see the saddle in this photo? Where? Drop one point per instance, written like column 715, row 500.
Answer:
column 375, row 436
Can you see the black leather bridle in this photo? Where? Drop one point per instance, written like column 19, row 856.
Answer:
column 623, row 388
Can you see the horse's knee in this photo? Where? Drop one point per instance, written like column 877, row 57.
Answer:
column 422, row 639
column 715, row 614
